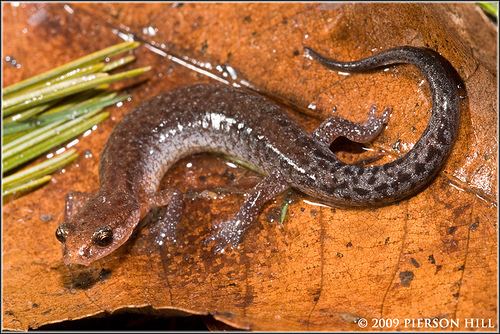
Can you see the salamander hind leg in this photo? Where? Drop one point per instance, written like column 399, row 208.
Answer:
column 335, row 127
column 230, row 232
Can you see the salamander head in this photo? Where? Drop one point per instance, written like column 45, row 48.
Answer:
column 100, row 227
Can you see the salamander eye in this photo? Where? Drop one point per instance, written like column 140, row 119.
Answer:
column 103, row 236
column 62, row 233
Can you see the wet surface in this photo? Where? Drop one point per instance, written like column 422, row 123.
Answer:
column 297, row 275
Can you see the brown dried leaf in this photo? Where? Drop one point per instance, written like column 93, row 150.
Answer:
column 431, row 256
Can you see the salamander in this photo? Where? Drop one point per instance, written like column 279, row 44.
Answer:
column 249, row 126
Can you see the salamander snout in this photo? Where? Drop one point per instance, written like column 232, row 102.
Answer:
column 98, row 228
column 84, row 250
column 103, row 236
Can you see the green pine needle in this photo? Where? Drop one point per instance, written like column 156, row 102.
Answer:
column 66, row 88
column 284, row 211
column 120, row 62
column 80, row 62
column 44, row 112
column 490, row 8
column 47, row 167
column 28, row 186
column 76, row 127
column 70, row 112
column 25, row 114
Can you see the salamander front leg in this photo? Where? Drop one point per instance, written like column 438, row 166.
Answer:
column 167, row 205
column 335, row 127
column 229, row 233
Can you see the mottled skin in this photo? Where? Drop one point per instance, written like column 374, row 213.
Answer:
column 215, row 118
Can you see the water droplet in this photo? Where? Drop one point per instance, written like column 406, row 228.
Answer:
column 68, row 9
column 87, row 154
column 312, row 106
column 37, row 18
column 12, row 61
column 72, row 143
column 46, row 218
column 150, row 30
column 231, row 72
